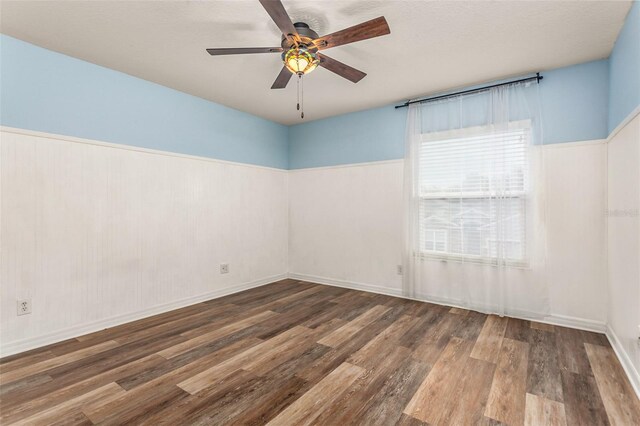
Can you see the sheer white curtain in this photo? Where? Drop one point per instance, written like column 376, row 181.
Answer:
column 474, row 202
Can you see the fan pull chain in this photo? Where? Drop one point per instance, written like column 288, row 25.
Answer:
column 298, row 92
column 302, row 98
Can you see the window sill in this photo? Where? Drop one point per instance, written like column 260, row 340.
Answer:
column 476, row 260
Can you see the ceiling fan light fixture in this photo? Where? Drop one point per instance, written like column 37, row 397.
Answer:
column 299, row 45
column 299, row 60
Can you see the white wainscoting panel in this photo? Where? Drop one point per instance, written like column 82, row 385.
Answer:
column 345, row 223
column 624, row 245
column 576, row 178
column 97, row 234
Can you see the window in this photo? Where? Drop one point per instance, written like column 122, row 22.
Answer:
column 473, row 193
column 435, row 240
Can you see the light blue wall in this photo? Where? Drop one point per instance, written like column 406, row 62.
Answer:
column 624, row 70
column 574, row 103
column 50, row 92
column 46, row 91
column 358, row 137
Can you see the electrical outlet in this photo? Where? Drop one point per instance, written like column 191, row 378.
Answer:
column 399, row 269
column 224, row 268
column 24, row 307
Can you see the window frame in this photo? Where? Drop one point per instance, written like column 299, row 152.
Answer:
column 524, row 194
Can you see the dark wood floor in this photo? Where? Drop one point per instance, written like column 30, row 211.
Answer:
column 299, row 353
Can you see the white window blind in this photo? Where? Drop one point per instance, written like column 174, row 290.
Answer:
column 473, row 193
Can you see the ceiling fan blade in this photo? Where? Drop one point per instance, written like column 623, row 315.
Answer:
column 276, row 10
column 242, row 50
column 373, row 28
column 282, row 79
column 341, row 69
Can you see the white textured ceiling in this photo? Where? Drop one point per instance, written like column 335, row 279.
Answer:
column 433, row 46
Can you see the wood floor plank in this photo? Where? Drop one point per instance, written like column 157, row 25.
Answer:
column 352, row 298
column 19, row 406
column 430, row 318
column 51, row 363
column 70, row 407
column 25, row 384
column 487, row 421
column 459, row 311
column 437, row 337
column 241, row 399
column 470, row 327
column 177, row 325
column 345, row 409
column 542, row 326
column 73, row 345
column 372, row 354
column 472, row 392
column 297, row 315
column 294, row 352
column 489, row 341
column 194, row 409
column 222, row 321
column 251, row 301
column 572, row 355
column 407, row 420
column 268, row 360
column 184, row 366
column 313, row 296
column 257, row 402
column 595, row 338
column 386, row 406
column 112, row 358
column 261, row 351
column 311, row 405
column 582, row 402
column 543, row 374
column 278, row 392
column 297, row 297
column 262, row 295
column 188, row 345
column 622, row 406
column 542, row 411
column 506, row 402
column 336, row 356
column 146, row 405
column 345, row 332
column 518, row 329
column 167, row 383
column 8, row 364
column 414, row 308
column 332, row 311
column 351, row 312
column 436, row 391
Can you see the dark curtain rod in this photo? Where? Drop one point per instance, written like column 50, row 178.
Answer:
column 537, row 78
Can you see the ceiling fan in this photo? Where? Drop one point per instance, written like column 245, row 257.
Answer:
column 300, row 46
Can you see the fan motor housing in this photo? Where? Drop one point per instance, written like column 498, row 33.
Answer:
column 307, row 35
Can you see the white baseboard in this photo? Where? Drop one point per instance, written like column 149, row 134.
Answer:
column 625, row 360
column 575, row 322
column 347, row 284
column 23, row 345
column 553, row 319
